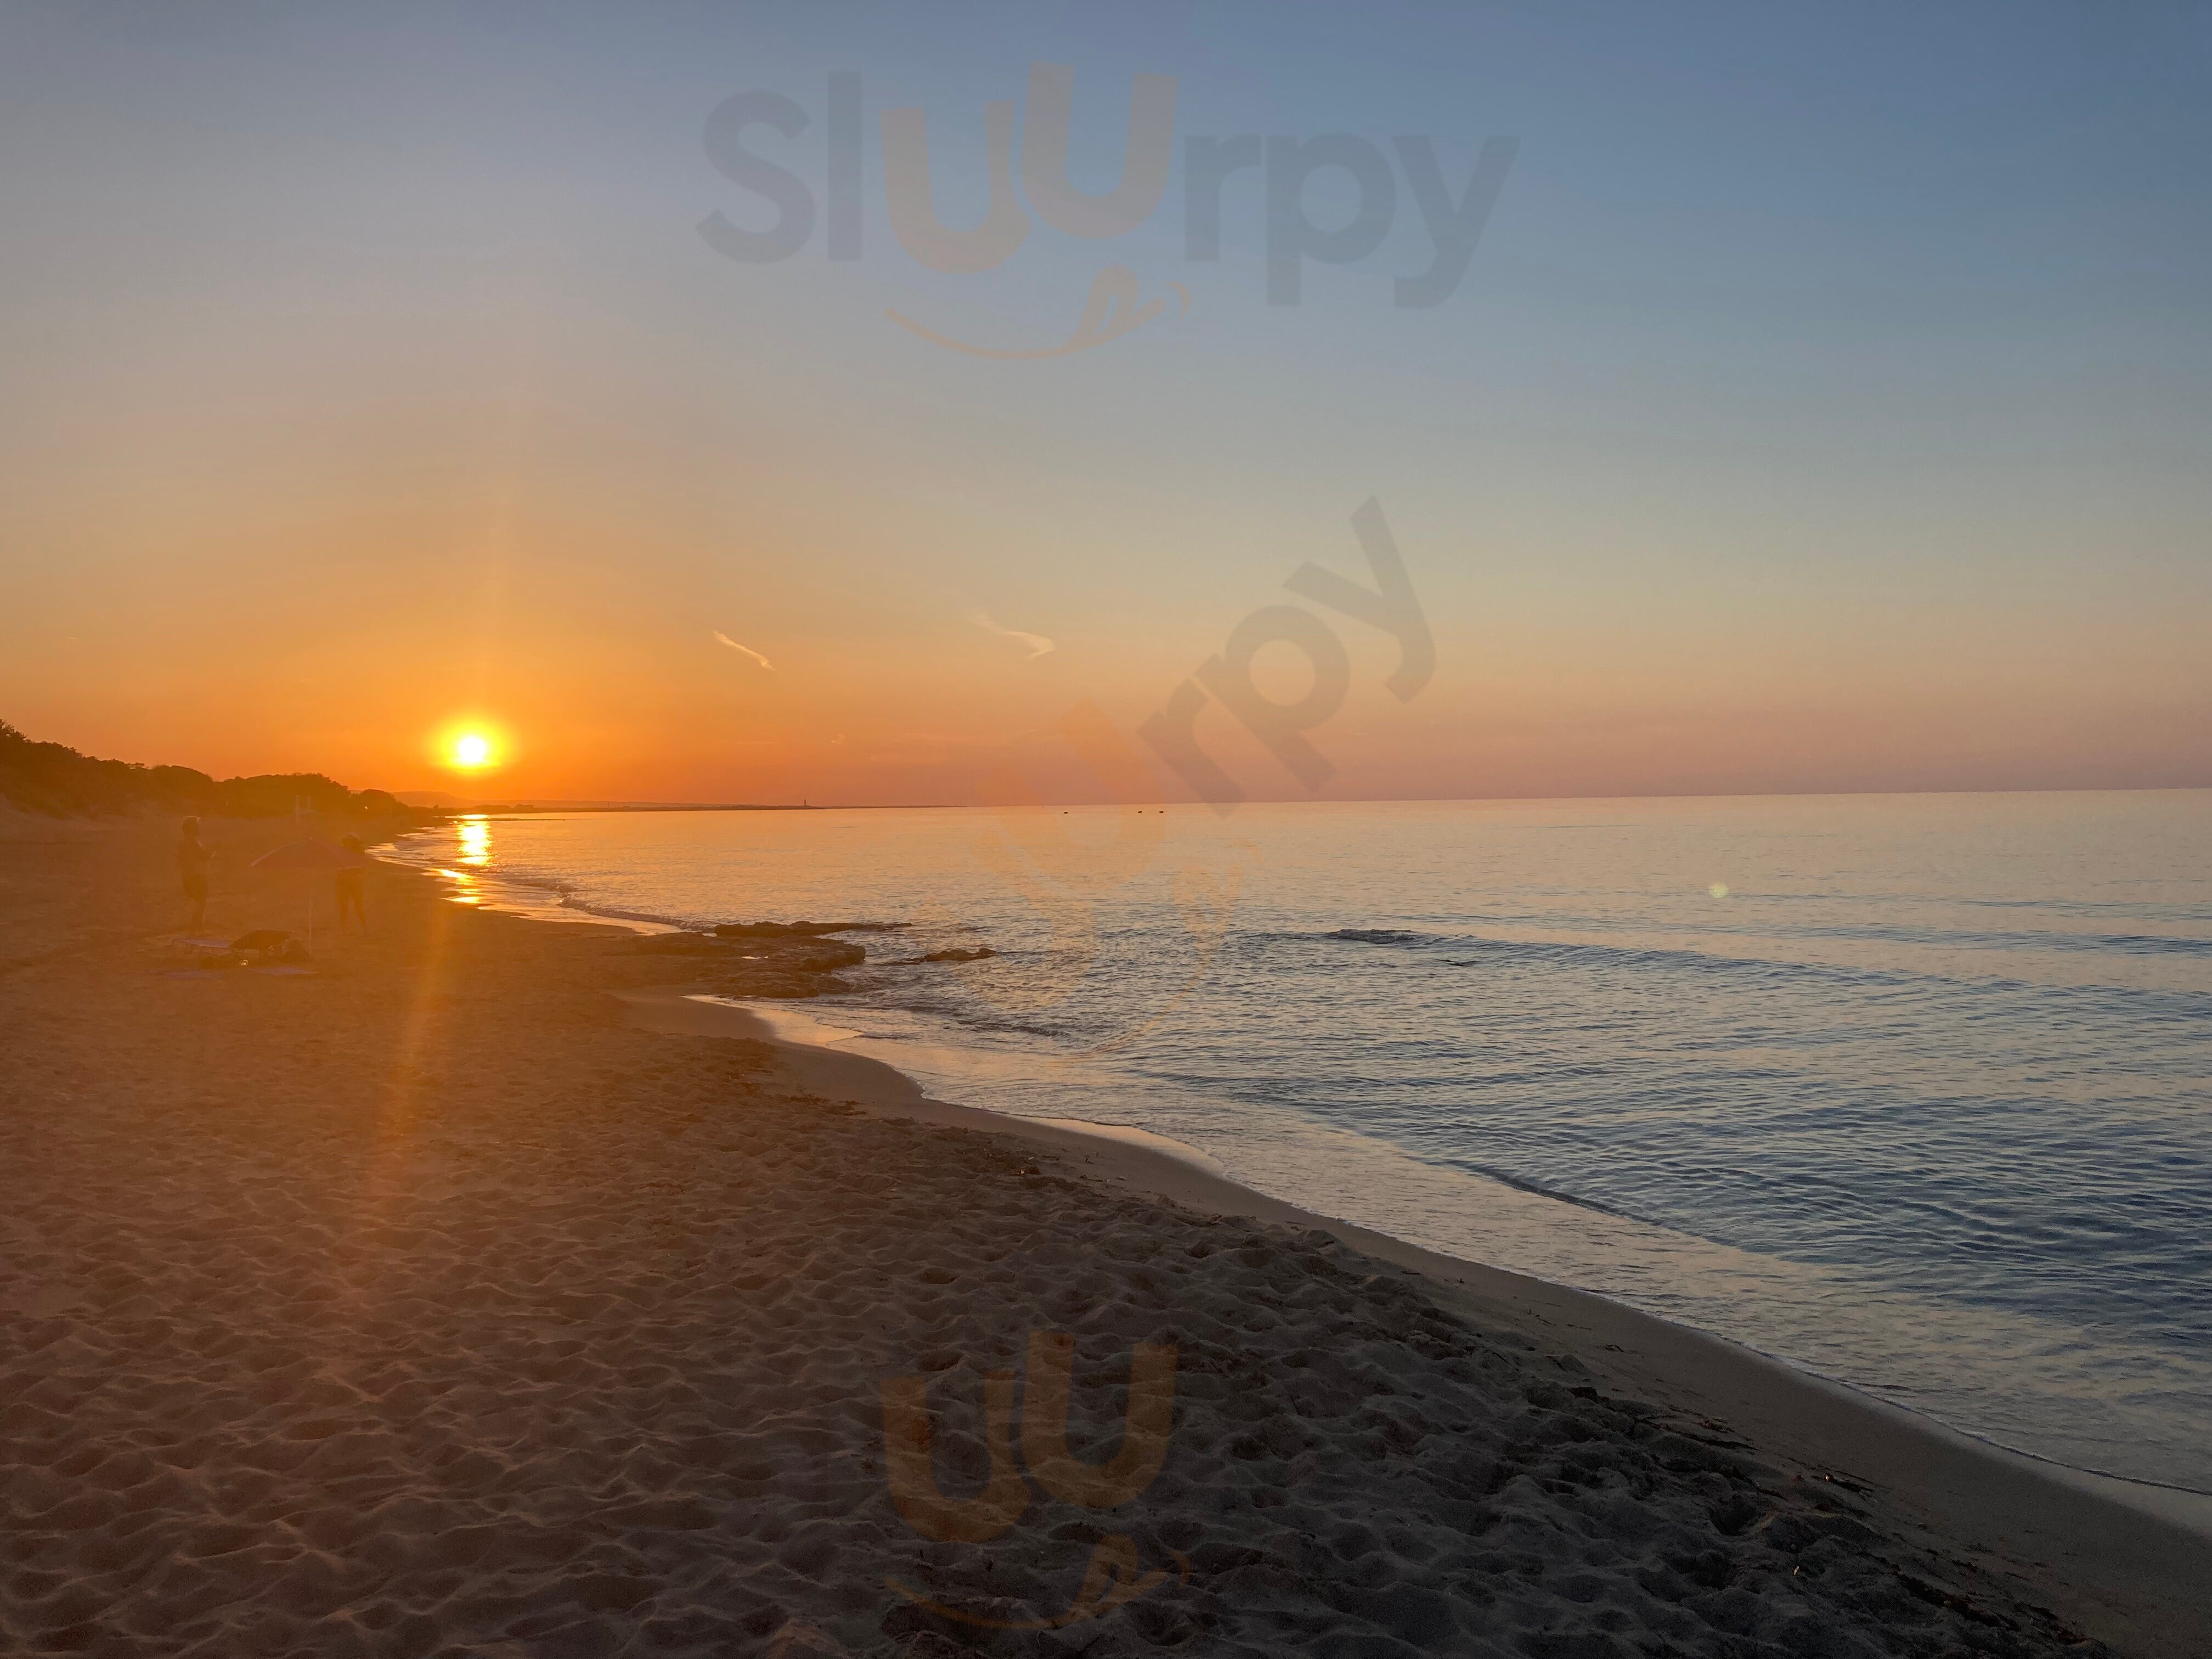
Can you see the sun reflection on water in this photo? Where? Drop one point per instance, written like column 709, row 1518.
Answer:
column 472, row 852
column 475, row 841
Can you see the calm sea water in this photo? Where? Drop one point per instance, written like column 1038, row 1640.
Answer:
column 1912, row 1092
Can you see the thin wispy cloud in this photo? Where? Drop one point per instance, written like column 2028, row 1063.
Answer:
column 1037, row 644
column 747, row 649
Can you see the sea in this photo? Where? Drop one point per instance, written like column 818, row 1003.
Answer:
column 1913, row 1092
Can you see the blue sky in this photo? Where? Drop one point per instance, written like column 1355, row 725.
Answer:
column 1815, row 363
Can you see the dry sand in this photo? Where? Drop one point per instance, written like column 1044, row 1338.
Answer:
column 441, row 1302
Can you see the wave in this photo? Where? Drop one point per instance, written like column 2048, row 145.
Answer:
column 1560, row 1195
column 2150, row 944
column 1486, row 951
column 2139, row 944
column 1474, row 951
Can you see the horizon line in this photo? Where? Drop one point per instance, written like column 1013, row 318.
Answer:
column 1357, row 800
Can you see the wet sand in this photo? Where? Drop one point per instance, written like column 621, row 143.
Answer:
column 479, row 1293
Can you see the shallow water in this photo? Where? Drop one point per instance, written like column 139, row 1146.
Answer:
column 1909, row 1090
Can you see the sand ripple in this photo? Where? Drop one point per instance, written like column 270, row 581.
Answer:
column 433, row 1313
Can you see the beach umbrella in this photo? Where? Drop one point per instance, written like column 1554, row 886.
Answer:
column 307, row 857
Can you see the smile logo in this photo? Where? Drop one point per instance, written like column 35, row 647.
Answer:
column 1114, row 1576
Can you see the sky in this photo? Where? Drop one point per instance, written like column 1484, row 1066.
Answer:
column 1824, row 404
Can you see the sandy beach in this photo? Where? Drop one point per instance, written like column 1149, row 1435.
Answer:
column 477, row 1292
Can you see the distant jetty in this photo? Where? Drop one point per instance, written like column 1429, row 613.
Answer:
column 436, row 801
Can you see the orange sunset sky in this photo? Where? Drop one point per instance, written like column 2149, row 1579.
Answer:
column 370, row 377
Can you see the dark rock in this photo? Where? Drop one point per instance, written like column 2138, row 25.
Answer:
column 800, row 929
column 769, row 958
column 772, row 982
column 680, row 944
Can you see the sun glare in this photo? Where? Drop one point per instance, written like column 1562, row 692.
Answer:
column 472, row 751
column 470, row 745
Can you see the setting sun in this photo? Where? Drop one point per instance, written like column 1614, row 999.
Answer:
column 476, row 745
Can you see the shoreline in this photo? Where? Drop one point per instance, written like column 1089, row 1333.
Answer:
column 792, row 1016
column 482, row 1289
column 880, row 1085
column 2108, row 1538
column 1141, row 1160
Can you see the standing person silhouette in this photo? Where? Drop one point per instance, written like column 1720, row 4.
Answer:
column 348, row 880
column 193, row 856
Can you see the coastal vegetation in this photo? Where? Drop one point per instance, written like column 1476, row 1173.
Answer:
column 53, row 779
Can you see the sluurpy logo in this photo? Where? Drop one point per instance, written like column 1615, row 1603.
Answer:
column 1286, row 166
column 1069, row 881
column 1114, row 1576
